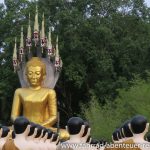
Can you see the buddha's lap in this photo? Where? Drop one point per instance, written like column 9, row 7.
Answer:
column 62, row 133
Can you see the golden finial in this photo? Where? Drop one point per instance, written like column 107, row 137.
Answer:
column 21, row 39
column 28, row 40
column 57, row 50
column 58, row 61
column 41, row 40
column 15, row 51
column 15, row 61
column 43, row 28
column 49, row 43
column 36, row 23
column 29, row 29
column 21, row 48
column 36, row 27
column 50, row 49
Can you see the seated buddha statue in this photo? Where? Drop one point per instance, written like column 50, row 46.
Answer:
column 36, row 103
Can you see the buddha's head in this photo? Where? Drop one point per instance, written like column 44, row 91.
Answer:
column 35, row 71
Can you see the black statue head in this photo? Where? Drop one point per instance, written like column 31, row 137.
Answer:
column 138, row 124
column 32, row 128
column 44, row 132
column 126, row 129
column 39, row 131
column 20, row 125
column 116, row 136
column 5, row 131
column 121, row 132
column 94, row 141
column 74, row 125
column 88, row 139
column 148, row 137
column 87, row 126
column 55, row 137
column 13, row 135
column 50, row 133
column 102, row 142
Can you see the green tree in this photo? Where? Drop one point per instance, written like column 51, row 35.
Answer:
column 105, row 119
column 12, row 17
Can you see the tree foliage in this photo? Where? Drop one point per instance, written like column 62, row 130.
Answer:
column 105, row 119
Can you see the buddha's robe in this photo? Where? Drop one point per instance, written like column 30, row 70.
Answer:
column 130, row 145
column 9, row 145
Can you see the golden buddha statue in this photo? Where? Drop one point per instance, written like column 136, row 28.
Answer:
column 35, row 102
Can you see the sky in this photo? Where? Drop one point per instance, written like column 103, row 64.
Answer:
column 147, row 2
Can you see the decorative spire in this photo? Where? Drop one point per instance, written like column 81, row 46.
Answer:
column 57, row 50
column 43, row 38
column 15, row 61
column 36, row 27
column 15, row 51
column 29, row 29
column 49, row 37
column 58, row 61
column 43, row 28
column 50, row 50
column 28, row 40
column 36, row 23
column 21, row 49
column 21, row 39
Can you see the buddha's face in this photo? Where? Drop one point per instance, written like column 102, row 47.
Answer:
column 35, row 75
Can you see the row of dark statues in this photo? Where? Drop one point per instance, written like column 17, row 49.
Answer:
column 27, row 135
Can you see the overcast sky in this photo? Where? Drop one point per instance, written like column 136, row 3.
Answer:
column 147, row 1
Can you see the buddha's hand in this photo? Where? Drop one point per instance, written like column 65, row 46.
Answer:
column 50, row 122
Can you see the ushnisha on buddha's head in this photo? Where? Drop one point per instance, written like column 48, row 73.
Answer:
column 35, row 71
